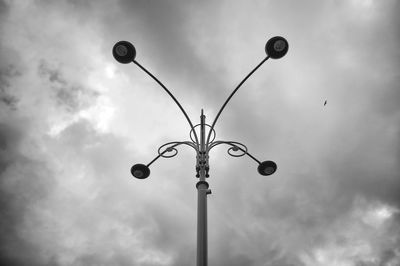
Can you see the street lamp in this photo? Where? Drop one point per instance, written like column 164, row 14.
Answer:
column 140, row 171
column 124, row 52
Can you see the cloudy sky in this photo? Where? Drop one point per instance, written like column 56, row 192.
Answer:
column 73, row 121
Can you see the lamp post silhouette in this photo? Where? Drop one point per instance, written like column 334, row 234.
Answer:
column 124, row 52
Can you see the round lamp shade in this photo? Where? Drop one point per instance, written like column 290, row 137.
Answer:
column 267, row 168
column 276, row 47
column 140, row 171
column 124, row 52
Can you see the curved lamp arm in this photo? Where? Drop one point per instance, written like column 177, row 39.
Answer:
column 275, row 48
column 173, row 98
column 172, row 148
column 264, row 168
column 125, row 53
column 230, row 96
column 142, row 171
column 234, row 146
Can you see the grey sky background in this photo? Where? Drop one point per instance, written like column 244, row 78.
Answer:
column 73, row 121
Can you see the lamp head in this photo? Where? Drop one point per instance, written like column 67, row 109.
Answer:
column 276, row 47
column 140, row 171
column 124, row 52
column 267, row 168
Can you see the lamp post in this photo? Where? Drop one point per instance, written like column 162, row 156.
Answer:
column 124, row 52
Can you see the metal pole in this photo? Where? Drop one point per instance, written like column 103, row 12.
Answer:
column 202, row 192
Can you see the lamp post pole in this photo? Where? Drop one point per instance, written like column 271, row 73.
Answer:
column 202, row 192
column 124, row 52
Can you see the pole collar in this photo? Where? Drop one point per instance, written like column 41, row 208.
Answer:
column 202, row 182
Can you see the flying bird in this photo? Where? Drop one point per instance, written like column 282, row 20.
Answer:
column 325, row 102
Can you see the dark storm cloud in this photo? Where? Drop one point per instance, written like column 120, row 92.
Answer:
column 32, row 199
column 26, row 178
column 5, row 97
column 333, row 159
column 52, row 74
column 3, row 7
column 17, row 193
column 103, row 216
column 161, row 32
column 73, row 97
column 24, row 182
column 68, row 199
column 243, row 251
column 8, row 72
column 366, row 91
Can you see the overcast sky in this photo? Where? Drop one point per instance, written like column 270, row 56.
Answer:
column 73, row 121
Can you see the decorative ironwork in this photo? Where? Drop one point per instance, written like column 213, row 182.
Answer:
column 169, row 147
column 237, row 147
column 212, row 131
column 165, row 153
